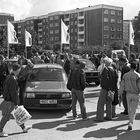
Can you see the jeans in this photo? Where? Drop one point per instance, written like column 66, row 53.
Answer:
column 104, row 99
column 7, row 108
column 124, row 101
column 78, row 95
column 132, row 101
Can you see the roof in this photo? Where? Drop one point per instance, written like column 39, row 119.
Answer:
column 50, row 65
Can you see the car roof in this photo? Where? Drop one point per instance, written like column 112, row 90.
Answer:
column 50, row 65
column 11, row 60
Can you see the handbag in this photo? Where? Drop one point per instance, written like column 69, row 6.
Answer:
column 21, row 115
column 111, row 95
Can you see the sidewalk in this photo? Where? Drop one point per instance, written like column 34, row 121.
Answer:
column 115, row 129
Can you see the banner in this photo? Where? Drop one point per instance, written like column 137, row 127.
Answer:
column 131, row 34
column 12, row 39
column 28, row 39
column 65, row 37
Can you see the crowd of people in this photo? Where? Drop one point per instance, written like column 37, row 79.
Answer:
column 13, row 82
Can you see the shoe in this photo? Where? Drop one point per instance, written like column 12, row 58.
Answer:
column 84, row 119
column 96, row 120
column 129, row 128
column 2, row 134
column 75, row 117
column 107, row 119
column 25, row 130
column 124, row 113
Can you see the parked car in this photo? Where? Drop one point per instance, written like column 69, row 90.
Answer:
column 46, row 88
column 92, row 75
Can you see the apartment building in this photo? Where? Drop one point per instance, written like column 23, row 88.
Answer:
column 91, row 26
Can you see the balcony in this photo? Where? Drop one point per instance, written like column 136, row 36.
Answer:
column 81, row 24
column 40, row 29
column 81, row 32
column 81, row 39
column 81, row 17
column 67, row 19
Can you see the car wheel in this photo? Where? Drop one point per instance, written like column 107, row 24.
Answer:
column 97, row 83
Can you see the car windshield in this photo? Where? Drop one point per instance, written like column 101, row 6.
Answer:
column 89, row 64
column 47, row 74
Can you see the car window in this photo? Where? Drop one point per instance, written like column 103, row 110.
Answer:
column 46, row 74
column 88, row 63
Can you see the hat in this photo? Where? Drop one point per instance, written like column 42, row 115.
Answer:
column 16, row 67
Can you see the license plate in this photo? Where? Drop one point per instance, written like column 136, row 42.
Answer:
column 48, row 101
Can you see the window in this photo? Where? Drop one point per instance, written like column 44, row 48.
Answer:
column 75, row 30
column 112, row 36
column 119, row 29
column 106, row 27
column 51, row 31
column 105, row 19
column 112, row 12
column 51, row 25
column 56, row 31
column 119, row 36
column 71, row 23
column 56, row 24
column 75, row 22
column 56, row 17
column 105, row 11
column 112, row 28
column 57, row 38
column 71, row 30
column 112, row 20
column 119, row 21
column 106, row 36
column 51, row 18
column 51, row 38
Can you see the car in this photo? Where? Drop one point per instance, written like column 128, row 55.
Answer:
column 46, row 88
column 92, row 75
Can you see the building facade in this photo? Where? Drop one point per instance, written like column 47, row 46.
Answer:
column 89, row 27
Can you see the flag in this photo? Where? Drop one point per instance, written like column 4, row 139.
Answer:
column 131, row 34
column 65, row 37
column 28, row 39
column 12, row 39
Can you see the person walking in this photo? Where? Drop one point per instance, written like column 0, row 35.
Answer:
column 10, row 96
column 3, row 73
column 108, row 82
column 77, row 83
column 125, row 68
column 129, row 85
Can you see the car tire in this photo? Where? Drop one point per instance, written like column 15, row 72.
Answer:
column 97, row 83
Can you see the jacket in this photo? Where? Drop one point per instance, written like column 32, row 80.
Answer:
column 11, row 89
column 129, row 83
column 77, row 80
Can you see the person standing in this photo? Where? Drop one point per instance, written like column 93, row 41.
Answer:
column 129, row 85
column 10, row 96
column 125, row 68
column 3, row 73
column 77, row 83
column 108, row 82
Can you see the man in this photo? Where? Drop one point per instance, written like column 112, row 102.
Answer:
column 125, row 68
column 3, row 73
column 77, row 84
column 10, row 96
column 129, row 85
column 108, row 82
column 22, row 60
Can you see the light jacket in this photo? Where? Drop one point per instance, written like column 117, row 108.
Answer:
column 129, row 83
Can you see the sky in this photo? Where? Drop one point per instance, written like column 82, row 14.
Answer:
column 26, row 8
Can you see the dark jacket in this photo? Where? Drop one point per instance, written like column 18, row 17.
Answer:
column 109, row 79
column 77, row 80
column 11, row 89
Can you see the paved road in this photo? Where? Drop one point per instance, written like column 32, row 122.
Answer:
column 58, row 125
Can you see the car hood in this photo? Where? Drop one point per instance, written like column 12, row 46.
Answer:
column 45, row 86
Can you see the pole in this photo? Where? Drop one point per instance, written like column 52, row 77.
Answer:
column 7, row 42
column 61, row 46
column 128, row 51
column 8, row 51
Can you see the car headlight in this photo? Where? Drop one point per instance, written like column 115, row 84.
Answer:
column 66, row 95
column 30, row 95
